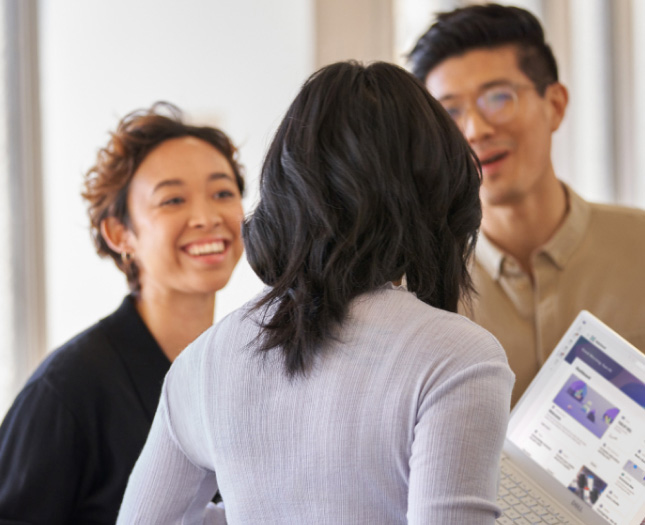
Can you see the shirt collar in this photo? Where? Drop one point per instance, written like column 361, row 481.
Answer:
column 143, row 358
column 567, row 238
column 489, row 256
column 559, row 248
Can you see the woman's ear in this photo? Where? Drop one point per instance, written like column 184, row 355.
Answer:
column 117, row 236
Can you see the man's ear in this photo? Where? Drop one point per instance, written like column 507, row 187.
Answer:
column 117, row 236
column 558, row 97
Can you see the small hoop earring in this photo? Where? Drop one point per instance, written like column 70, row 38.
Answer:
column 126, row 257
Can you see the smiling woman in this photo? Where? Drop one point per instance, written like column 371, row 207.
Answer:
column 182, row 237
column 165, row 203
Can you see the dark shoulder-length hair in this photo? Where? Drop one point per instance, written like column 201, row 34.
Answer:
column 367, row 179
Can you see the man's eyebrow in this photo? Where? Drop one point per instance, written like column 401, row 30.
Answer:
column 493, row 83
column 449, row 96
column 482, row 87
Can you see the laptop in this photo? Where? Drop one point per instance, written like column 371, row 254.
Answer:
column 575, row 445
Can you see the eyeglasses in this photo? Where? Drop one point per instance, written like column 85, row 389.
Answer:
column 497, row 104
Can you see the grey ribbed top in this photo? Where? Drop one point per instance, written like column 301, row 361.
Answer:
column 402, row 420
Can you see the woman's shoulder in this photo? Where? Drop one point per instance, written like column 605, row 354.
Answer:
column 228, row 334
column 84, row 362
column 430, row 329
column 64, row 382
column 76, row 355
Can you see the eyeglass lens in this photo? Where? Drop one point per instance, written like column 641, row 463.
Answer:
column 497, row 105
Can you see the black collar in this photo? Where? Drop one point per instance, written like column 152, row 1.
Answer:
column 145, row 362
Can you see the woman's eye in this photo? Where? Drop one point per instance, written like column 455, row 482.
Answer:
column 172, row 202
column 224, row 194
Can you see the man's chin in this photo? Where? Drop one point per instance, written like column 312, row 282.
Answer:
column 497, row 196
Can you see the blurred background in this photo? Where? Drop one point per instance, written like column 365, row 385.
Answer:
column 70, row 69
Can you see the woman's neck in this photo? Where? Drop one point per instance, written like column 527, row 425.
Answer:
column 175, row 320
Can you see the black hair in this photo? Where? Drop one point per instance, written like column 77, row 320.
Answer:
column 487, row 26
column 367, row 179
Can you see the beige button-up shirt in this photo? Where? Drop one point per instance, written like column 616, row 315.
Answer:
column 595, row 261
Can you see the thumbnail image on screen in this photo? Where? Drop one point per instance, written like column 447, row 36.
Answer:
column 586, row 406
column 587, row 486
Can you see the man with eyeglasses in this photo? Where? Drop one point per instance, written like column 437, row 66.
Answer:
column 543, row 253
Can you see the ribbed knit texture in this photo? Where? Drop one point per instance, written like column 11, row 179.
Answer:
column 402, row 420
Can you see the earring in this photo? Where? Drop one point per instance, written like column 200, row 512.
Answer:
column 126, row 257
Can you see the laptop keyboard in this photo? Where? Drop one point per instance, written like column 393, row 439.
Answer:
column 521, row 504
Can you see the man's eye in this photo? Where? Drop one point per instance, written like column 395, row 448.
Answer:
column 498, row 98
column 455, row 112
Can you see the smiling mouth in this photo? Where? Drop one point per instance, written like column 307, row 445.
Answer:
column 210, row 248
column 494, row 158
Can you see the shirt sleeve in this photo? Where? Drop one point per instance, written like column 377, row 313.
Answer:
column 457, row 446
column 166, row 486
column 41, row 459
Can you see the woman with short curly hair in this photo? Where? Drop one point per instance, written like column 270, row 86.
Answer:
column 165, row 204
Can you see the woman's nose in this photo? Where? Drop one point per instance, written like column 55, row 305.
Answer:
column 205, row 215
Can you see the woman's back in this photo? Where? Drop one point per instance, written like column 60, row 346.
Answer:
column 384, row 419
column 335, row 398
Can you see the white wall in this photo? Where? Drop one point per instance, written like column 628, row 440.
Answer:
column 236, row 64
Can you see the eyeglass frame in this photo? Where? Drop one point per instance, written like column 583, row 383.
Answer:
column 472, row 101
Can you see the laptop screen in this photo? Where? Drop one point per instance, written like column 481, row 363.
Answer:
column 583, row 420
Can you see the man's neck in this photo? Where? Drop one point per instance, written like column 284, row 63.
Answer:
column 521, row 227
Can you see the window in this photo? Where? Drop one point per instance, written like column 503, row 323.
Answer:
column 22, row 318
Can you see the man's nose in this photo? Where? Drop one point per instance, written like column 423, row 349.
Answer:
column 475, row 127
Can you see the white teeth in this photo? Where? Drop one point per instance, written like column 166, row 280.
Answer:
column 206, row 249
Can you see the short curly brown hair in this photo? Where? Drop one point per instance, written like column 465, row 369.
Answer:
column 107, row 182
